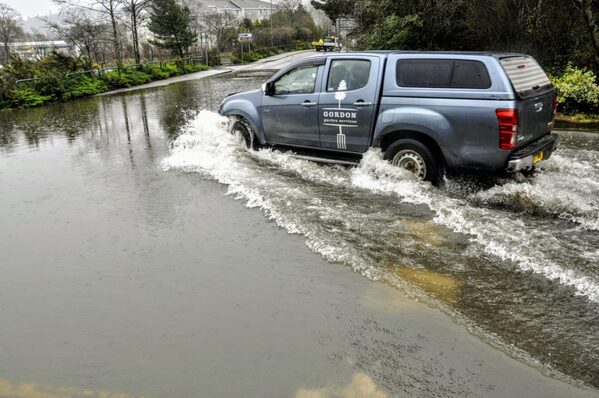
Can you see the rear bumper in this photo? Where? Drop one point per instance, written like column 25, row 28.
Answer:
column 522, row 159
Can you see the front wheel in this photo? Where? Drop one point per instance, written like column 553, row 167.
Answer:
column 244, row 132
column 417, row 158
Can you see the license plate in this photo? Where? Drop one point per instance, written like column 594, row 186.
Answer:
column 538, row 157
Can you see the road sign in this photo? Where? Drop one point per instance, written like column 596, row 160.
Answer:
column 245, row 37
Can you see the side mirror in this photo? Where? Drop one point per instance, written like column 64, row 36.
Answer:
column 268, row 88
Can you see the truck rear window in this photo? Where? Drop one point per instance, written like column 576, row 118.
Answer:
column 442, row 73
column 525, row 74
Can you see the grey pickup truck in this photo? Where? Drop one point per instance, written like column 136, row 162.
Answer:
column 427, row 111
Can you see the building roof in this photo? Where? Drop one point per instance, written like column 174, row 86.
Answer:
column 53, row 43
column 254, row 3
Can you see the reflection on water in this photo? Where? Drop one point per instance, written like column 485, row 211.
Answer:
column 442, row 287
column 361, row 386
column 172, row 108
column 31, row 390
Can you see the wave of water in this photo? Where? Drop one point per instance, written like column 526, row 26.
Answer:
column 567, row 187
column 275, row 182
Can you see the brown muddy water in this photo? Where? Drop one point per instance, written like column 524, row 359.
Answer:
column 128, row 266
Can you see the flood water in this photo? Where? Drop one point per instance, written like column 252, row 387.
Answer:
column 515, row 260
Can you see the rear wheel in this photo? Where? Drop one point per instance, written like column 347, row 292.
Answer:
column 417, row 158
column 244, row 132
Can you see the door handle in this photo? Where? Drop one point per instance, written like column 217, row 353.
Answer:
column 362, row 103
column 307, row 104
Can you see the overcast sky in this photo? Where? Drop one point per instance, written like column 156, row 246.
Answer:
column 32, row 8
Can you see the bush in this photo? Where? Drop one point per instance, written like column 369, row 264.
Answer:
column 577, row 90
column 135, row 77
column 50, row 83
column 115, row 79
column 172, row 69
column 191, row 68
column 155, row 72
column 84, row 86
column 27, row 97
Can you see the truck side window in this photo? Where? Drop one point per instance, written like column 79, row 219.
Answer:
column 297, row 81
column 470, row 74
column 443, row 73
column 426, row 73
column 353, row 72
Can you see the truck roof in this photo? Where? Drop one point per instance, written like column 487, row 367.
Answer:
column 496, row 54
column 318, row 58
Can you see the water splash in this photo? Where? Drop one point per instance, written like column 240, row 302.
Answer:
column 275, row 182
column 567, row 187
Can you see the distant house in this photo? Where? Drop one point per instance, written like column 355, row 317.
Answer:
column 38, row 49
column 239, row 9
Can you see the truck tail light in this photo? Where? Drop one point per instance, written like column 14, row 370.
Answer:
column 508, row 127
column 555, row 104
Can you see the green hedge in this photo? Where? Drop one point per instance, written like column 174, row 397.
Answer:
column 27, row 97
column 53, row 85
column 84, row 86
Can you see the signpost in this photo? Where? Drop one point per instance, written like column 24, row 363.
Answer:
column 343, row 27
column 245, row 38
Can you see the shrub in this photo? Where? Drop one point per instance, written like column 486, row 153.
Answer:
column 191, row 68
column 115, row 79
column 27, row 97
column 577, row 90
column 155, row 72
column 50, row 83
column 172, row 69
column 135, row 77
column 85, row 86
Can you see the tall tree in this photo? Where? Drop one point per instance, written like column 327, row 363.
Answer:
column 135, row 9
column 334, row 8
column 585, row 7
column 9, row 29
column 110, row 9
column 170, row 22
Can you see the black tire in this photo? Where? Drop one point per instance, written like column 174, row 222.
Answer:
column 416, row 157
column 246, row 133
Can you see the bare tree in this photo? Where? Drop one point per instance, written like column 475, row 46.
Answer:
column 86, row 33
column 289, row 7
column 215, row 24
column 10, row 29
column 135, row 10
column 110, row 9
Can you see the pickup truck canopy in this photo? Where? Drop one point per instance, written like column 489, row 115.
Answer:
column 526, row 75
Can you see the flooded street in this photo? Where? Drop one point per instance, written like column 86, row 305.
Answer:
column 140, row 256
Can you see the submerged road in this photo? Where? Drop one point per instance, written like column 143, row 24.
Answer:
column 144, row 254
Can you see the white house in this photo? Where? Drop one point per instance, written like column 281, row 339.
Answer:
column 239, row 9
column 38, row 49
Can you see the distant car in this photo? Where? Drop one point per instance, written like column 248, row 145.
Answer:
column 427, row 111
column 328, row 44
